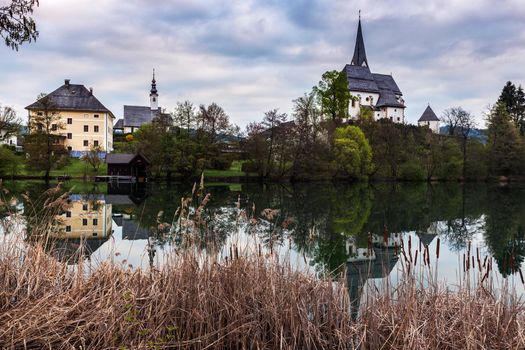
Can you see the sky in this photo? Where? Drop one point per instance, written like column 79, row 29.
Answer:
column 250, row 56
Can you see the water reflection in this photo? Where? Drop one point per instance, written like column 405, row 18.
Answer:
column 331, row 225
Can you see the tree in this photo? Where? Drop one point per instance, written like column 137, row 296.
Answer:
column 44, row 145
column 506, row 153
column 450, row 118
column 213, row 120
column 272, row 122
column 353, row 153
column 9, row 162
column 333, row 95
column 9, row 123
column 16, row 23
column 466, row 123
column 513, row 99
column 92, row 157
column 184, row 115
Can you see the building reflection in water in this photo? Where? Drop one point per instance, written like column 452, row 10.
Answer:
column 374, row 260
column 83, row 227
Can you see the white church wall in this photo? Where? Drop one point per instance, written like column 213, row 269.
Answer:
column 395, row 114
column 432, row 125
column 363, row 99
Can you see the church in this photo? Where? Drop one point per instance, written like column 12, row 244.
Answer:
column 136, row 116
column 378, row 92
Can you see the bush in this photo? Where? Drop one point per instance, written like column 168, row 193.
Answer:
column 411, row 171
column 249, row 167
column 9, row 162
column 222, row 162
column 452, row 170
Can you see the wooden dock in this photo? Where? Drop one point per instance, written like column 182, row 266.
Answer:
column 115, row 178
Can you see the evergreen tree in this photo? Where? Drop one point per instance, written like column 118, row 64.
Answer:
column 513, row 100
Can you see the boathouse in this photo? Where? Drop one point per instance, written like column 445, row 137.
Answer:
column 126, row 165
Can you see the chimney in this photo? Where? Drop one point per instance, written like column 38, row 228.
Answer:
column 66, row 81
column 91, row 91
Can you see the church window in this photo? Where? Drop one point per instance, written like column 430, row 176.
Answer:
column 367, row 99
column 398, row 119
column 395, row 110
column 353, row 103
column 153, row 99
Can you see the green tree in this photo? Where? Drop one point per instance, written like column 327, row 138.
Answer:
column 513, row 99
column 353, row 154
column 334, row 96
column 17, row 25
column 44, row 146
column 506, row 151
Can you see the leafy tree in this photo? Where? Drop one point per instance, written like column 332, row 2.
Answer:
column 273, row 123
column 506, row 152
column 513, row 99
column 44, row 146
column 184, row 116
column 334, row 96
column 256, row 146
column 353, row 154
column 16, row 23
column 213, row 120
column 92, row 157
column 9, row 123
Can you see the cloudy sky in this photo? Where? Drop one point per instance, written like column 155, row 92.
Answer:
column 253, row 55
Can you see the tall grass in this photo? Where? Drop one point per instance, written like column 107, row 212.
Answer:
column 250, row 300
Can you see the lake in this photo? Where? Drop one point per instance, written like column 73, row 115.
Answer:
column 319, row 226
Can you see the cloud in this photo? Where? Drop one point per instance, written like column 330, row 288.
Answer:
column 254, row 55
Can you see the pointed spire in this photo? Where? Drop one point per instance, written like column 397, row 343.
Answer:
column 153, row 84
column 359, row 58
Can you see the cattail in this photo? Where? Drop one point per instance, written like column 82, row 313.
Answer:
column 473, row 266
column 409, row 243
column 464, row 264
column 521, row 276
column 485, row 261
column 415, row 258
column 437, row 248
column 477, row 257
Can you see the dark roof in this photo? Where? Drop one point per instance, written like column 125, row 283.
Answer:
column 73, row 97
column 428, row 115
column 360, row 79
column 119, row 124
column 122, row 158
column 359, row 58
column 137, row 115
column 387, row 98
column 386, row 82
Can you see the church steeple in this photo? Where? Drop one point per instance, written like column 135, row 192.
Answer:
column 153, row 95
column 359, row 58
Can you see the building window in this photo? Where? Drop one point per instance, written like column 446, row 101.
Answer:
column 68, row 228
column 68, row 214
column 154, row 99
column 39, row 127
column 86, row 128
column 84, row 222
column 367, row 99
column 70, row 120
column 96, row 115
column 398, row 119
column 95, row 234
column 95, row 143
column 69, row 148
column 54, row 127
column 84, row 207
column 69, row 136
column 39, row 113
column 395, row 110
column 95, row 128
column 86, row 143
column 353, row 103
column 95, row 222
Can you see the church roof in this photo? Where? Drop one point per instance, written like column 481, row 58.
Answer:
column 119, row 124
column 428, row 115
column 359, row 58
column 72, row 97
column 387, row 98
column 360, row 79
column 137, row 115
column 386, row 82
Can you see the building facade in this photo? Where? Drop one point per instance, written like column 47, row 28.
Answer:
column 136, row 116
column 374, row 91
column 85, row 121
column 430, row 120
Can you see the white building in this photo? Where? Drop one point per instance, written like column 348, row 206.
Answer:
column 430, row 120
column 378, row 92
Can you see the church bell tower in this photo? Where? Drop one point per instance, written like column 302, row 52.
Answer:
column 153, row 95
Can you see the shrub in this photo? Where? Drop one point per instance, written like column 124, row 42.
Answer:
column 222, row 162
column 250, row 167
column 9, row 162
column 411, row 171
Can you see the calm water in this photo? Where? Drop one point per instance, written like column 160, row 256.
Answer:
column 322, row 226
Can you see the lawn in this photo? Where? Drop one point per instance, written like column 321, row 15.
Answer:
column 75, row 168
column 234, row 171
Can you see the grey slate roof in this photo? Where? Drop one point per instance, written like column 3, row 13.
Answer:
column 119, row 124
column 137, row 115
column 387, row 98
column 428, row 115
column 73, row 97
column 359, row 50
column 360, row 79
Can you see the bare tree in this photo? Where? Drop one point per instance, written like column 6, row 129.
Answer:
column 184, row 115
column 213, row 119
column 9, row 123
column 16, row 23
column 92, row 157
column 460, row 123
column 451, row 118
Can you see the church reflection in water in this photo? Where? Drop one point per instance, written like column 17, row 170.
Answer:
column 376, row 260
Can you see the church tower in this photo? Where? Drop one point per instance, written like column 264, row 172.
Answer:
column 359, row 58
column 153, row 95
